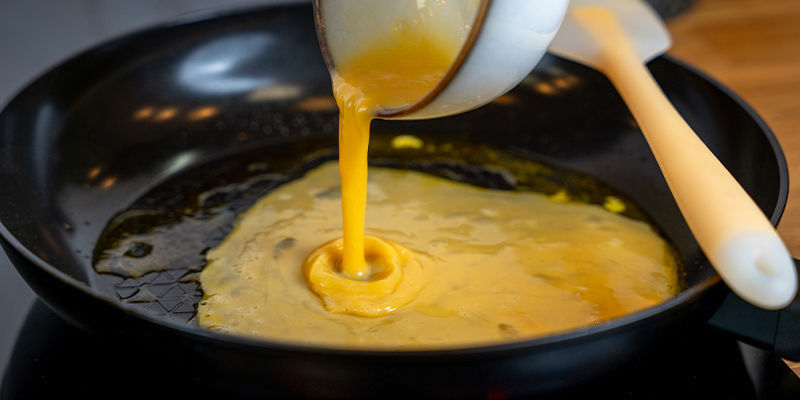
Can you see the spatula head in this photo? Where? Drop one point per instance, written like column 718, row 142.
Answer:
column 643, row 26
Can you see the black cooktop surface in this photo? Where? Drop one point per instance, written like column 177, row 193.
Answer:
column 54, row 359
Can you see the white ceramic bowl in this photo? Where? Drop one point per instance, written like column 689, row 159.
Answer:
column 500, row 42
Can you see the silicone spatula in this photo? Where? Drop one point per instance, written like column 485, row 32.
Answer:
column 618, row 37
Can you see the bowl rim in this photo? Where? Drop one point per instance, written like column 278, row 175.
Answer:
column 441, row 85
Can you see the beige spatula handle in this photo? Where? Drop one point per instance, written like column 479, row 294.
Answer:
column 735, row 235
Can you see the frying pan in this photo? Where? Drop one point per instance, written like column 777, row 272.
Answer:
column 79, row 145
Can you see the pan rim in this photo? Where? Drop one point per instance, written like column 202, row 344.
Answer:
column 605, row 328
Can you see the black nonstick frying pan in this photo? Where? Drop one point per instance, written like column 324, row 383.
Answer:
column 201, row 104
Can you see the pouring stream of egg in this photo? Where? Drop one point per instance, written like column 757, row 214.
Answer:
column 389, row 75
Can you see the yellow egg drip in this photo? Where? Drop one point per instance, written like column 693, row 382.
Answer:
column 391, row 75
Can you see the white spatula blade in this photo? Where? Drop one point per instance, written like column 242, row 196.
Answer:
column 641, row 23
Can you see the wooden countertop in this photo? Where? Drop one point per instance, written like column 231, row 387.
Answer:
column 753, row 47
